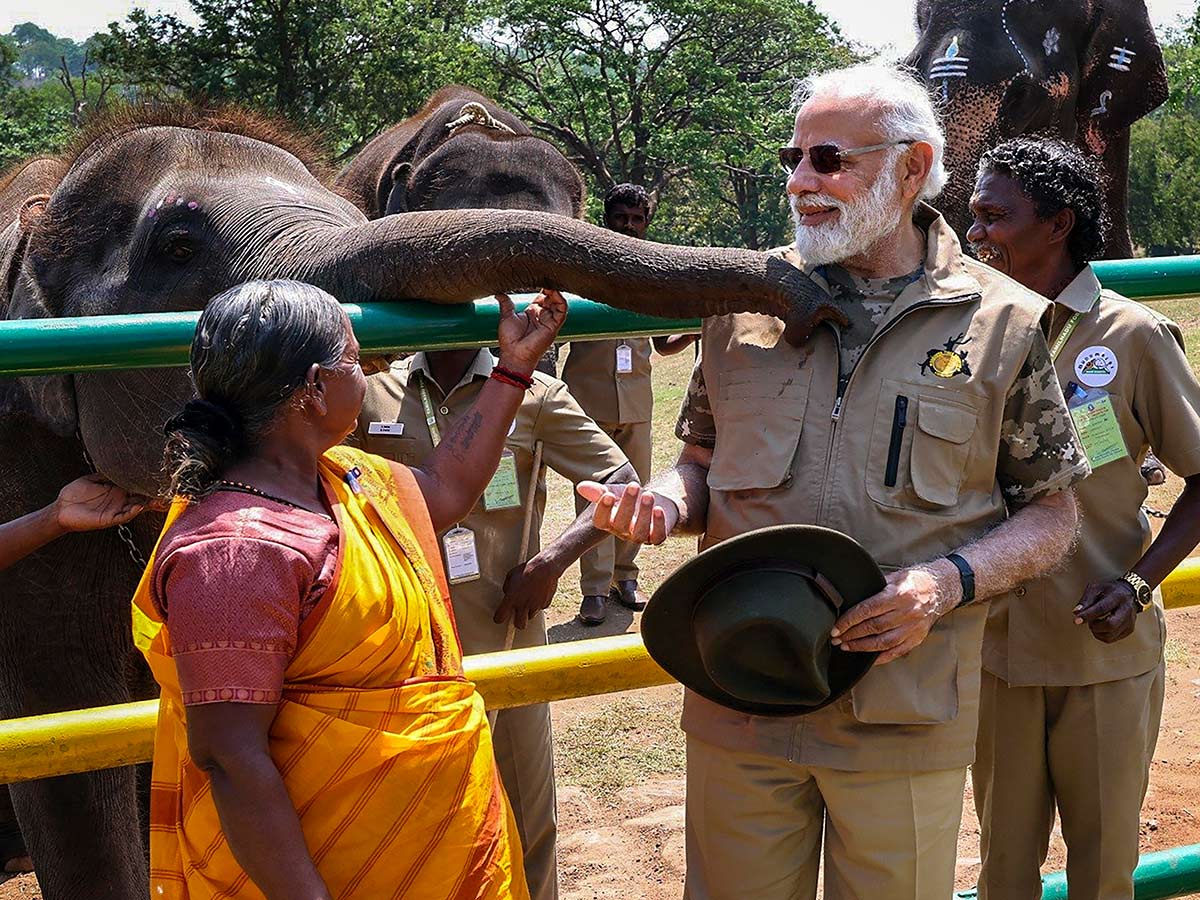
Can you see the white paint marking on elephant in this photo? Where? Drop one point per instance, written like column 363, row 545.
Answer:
column 276, row 183
column 1102, row 109
column 950, row 65
column 1051, row 41
column 1121, row 58
column 1012, row 40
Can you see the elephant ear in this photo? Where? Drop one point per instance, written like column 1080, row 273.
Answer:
column 1123, row 74
column 393, row 189
column 49, row 399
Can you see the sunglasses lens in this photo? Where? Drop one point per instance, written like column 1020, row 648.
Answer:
column 826, row 158
column 789, row 158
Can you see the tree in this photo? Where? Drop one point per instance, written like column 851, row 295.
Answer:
column 343, row 67
column 685, row 97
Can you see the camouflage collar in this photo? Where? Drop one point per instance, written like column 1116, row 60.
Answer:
column 1082, row 293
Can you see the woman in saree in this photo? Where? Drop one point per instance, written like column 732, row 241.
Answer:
column 316, row 737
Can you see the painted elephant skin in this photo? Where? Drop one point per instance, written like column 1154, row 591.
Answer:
column 461, row 151
column 1081, row 70
column 158, row 211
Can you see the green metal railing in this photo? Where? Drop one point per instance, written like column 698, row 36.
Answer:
column 94, row 343
column 1159, row 876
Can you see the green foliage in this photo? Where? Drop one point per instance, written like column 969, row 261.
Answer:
column 33, row 121
column 345, row 68
column 1164, row 165
column 688, row 98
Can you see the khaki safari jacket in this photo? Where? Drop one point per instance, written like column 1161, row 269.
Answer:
column 907, row 455
column 610, row 397
column 1135, row 356
column 573, row 445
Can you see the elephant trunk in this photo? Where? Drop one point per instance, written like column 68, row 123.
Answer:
column 457, row 255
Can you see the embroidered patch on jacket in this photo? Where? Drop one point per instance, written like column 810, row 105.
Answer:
column 948, row 361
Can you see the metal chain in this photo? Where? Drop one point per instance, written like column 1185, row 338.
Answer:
column 1154, row 513
column 123, row 531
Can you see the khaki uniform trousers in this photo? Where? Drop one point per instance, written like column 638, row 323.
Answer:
column 612, row 560
column 524, row 751
column 754, row 827
column 1086, row 749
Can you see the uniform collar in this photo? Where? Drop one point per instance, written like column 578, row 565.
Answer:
column 945, row 276
column 481, row 367
column 1082, row 293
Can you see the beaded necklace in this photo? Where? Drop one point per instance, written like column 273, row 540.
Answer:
column 241, row 486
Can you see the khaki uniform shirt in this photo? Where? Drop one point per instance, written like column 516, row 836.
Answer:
column 573, row 445
column 609, row 397
column 1033, row 640
column 797, row 440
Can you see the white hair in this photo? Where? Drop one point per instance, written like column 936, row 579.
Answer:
column 907, row 112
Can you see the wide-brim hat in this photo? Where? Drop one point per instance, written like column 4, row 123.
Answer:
column 746, row 623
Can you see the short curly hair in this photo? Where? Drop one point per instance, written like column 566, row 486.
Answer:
column 629, row 195
column 1056, row 175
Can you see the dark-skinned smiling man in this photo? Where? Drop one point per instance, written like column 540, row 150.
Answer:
column 1073, row 665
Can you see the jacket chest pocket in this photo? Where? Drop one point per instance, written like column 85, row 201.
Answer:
column 759, row 414
column 401, row 449
column 920, row 446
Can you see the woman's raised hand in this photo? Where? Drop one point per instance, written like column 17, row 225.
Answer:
column 525, row 336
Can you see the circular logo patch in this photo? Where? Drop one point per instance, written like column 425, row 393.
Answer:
column 1096, row 366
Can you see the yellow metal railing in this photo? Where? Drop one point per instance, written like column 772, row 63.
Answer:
column 83, row 740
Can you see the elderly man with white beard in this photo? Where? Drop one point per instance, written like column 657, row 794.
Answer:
column 930, row 428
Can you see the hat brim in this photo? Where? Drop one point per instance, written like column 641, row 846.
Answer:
column 667, row 622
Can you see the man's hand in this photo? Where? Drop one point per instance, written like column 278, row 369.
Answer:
column 1110, row 609
column 898, row 618
column 94, row 502
column 632, row 514
column 525, row 336
column 527, row 588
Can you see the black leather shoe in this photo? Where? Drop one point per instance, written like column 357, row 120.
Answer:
column 593, row 610
column 628, row 595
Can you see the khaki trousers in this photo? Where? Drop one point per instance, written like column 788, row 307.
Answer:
column 1085, row 749
column 525, row 756
column 612, row 560
column 754, row 827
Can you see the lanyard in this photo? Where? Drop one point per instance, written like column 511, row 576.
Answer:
column 1064, row 336
column 434, row 432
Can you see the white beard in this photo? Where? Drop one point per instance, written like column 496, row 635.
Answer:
column 859, row 227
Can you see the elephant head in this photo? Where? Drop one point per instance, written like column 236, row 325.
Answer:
column 461, row 151
column 161, row 210
column 1080, row 70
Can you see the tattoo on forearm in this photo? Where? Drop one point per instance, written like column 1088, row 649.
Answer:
column 463, row 436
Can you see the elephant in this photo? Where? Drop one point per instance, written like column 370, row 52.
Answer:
column 158, row 209
column 1080, row 70
column 461, row 151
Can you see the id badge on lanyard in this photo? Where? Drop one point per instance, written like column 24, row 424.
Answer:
column 1092, row 412
column 624, row 359
column 462, row 560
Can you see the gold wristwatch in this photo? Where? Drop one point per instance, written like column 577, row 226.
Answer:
column 1141, row 589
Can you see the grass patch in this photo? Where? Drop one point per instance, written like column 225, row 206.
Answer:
column 1176, row 653
column 627, row 740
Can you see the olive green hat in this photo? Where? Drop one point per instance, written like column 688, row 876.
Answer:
column 746, row 623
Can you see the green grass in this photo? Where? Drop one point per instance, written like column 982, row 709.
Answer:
column 626, row 740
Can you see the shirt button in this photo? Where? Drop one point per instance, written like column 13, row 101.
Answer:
column 445, row 410
column 1020, row 592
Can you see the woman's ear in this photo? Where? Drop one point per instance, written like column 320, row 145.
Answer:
column 1064, row 224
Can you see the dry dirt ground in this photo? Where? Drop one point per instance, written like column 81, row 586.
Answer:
column 620, row 757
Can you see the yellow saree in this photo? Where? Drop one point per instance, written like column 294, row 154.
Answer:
column 382, row 743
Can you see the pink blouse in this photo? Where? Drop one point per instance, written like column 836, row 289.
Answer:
column 234, row 577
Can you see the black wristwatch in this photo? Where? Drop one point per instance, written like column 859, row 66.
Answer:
column 967, row 575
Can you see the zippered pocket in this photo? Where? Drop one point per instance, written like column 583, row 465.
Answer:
column 899, row 421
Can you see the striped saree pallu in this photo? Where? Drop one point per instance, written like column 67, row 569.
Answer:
column 382, row 743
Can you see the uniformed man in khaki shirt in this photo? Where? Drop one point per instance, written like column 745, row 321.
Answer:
column 497, row 584
column 931, row 428
column 1073, row 664
column 611, row 381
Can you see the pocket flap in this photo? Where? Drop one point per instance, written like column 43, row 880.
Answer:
column 944, row 420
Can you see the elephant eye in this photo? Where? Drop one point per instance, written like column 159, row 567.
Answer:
column 178, row 248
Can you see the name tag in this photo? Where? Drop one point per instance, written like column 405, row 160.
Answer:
column 386, row 429
column 624, row 359
column 462, row 562
column 503, row 491
column 1097, row 426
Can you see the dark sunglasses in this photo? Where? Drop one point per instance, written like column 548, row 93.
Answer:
column 827, row 158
